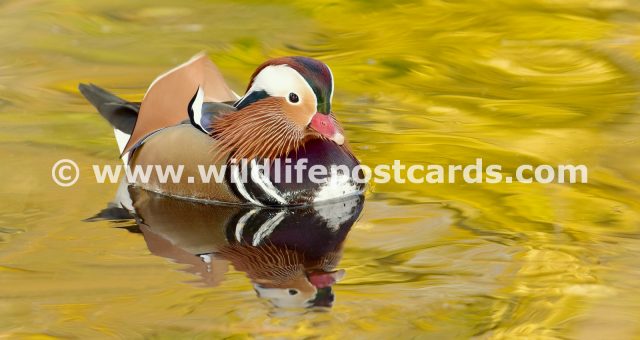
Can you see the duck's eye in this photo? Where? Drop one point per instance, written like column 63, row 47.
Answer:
column 293, row 292
column 293, row 97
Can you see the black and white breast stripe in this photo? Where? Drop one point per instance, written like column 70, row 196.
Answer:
column 262, row 189
column 255, row 187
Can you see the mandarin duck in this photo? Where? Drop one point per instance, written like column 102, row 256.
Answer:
column 189, row 116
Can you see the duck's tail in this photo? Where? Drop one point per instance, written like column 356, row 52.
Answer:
column 121, row 114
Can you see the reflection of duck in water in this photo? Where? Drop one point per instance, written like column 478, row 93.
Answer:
column 289, row 254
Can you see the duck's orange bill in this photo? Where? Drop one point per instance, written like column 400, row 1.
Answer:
column 325, row 126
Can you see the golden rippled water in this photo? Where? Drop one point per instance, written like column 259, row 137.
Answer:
column 439, row 82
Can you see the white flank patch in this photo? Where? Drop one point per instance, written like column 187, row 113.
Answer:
column 336, row 186
column 122, row 138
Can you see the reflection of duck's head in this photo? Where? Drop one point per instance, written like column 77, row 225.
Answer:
column 299, row 293
column 282, row 275
column 289, row 254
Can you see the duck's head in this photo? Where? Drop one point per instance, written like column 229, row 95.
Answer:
column 288, row 101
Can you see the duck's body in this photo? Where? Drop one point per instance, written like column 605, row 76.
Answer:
column 189, row 118
column 160, row 149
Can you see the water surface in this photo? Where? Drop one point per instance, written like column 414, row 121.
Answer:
column 513, row 82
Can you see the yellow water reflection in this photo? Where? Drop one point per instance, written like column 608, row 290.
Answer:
column 513, row 82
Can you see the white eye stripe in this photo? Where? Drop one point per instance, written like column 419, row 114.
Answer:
column 280, row 81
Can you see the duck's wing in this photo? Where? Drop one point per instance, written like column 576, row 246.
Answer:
column 169, row 98
column 122, row 114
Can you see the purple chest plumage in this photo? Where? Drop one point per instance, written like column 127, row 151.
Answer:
column 320, row 171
